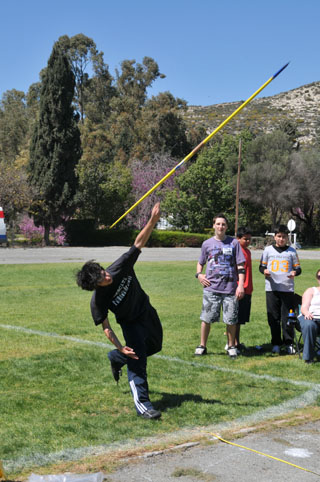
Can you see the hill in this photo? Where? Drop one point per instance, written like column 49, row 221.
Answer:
column 301, row 105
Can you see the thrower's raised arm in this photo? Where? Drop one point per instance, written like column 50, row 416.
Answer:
column 144, row 234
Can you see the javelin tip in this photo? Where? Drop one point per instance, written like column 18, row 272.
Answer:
column 279, row 71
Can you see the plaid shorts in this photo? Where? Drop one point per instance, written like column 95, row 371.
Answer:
column 211, row 307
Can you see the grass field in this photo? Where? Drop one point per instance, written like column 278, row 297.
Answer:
column 58, row 396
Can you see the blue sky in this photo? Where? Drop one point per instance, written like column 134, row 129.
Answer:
column 210, row 51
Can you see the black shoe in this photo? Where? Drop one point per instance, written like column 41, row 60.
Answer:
column 309, row 362
column 116, row 371
column 150, row 414
column 240, row 348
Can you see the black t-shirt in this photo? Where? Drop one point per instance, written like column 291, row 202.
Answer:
column 124, row 296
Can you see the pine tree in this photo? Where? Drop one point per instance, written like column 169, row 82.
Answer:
column 55, row 147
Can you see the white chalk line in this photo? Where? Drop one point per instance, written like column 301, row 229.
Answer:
column 307, row 398
column 162, row 357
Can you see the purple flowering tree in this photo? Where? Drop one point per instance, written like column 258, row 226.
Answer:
column 145, row 174
column 34, row 234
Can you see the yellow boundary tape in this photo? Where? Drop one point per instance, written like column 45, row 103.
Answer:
column 265, row 455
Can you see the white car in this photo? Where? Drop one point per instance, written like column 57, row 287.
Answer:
column 3, row 230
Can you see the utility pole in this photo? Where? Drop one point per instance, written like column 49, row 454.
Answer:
column 238, row 189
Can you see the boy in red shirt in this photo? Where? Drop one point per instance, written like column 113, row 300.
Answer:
column 244, row 238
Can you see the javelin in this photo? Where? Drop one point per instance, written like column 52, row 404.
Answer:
column 202, row 143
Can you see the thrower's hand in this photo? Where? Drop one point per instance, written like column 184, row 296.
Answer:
column 155, row 213
column 144, row 234
column 126, row 350
column 267, row 273
column 291, row 274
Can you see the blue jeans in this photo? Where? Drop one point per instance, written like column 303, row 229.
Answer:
column 310, row 329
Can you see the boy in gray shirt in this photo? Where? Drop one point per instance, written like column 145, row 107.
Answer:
column 224, row 262
column 280, row 264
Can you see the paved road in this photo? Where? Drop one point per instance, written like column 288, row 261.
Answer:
column 109, row 253
column 81, row 254
column 221, row 462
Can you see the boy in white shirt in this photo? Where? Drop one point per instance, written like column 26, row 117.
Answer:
column 280, row 264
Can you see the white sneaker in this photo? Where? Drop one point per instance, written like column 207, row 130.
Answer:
column 290, row 349
column 232, row 352
column 200, row 350
column 275, row 349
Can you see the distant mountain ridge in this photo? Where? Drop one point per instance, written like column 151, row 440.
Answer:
column 262, row 114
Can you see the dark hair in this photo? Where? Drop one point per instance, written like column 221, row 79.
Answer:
column 242, row 231
column 281, row 228
column 220, row 216
column 89, row 275
column 317, row 273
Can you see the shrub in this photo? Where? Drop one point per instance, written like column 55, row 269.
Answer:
column 78, row 231
column 260, row 242
column 82, row 233
column 34, row 235
column 171, row 239
column 58, row 236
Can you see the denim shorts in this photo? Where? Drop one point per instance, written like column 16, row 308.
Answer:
column 211, row 307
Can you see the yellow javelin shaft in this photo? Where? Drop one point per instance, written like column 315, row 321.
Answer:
column 202, row 143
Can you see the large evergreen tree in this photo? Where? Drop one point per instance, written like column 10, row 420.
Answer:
column 266, row 180
column 55, row 147
column 13, row 125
